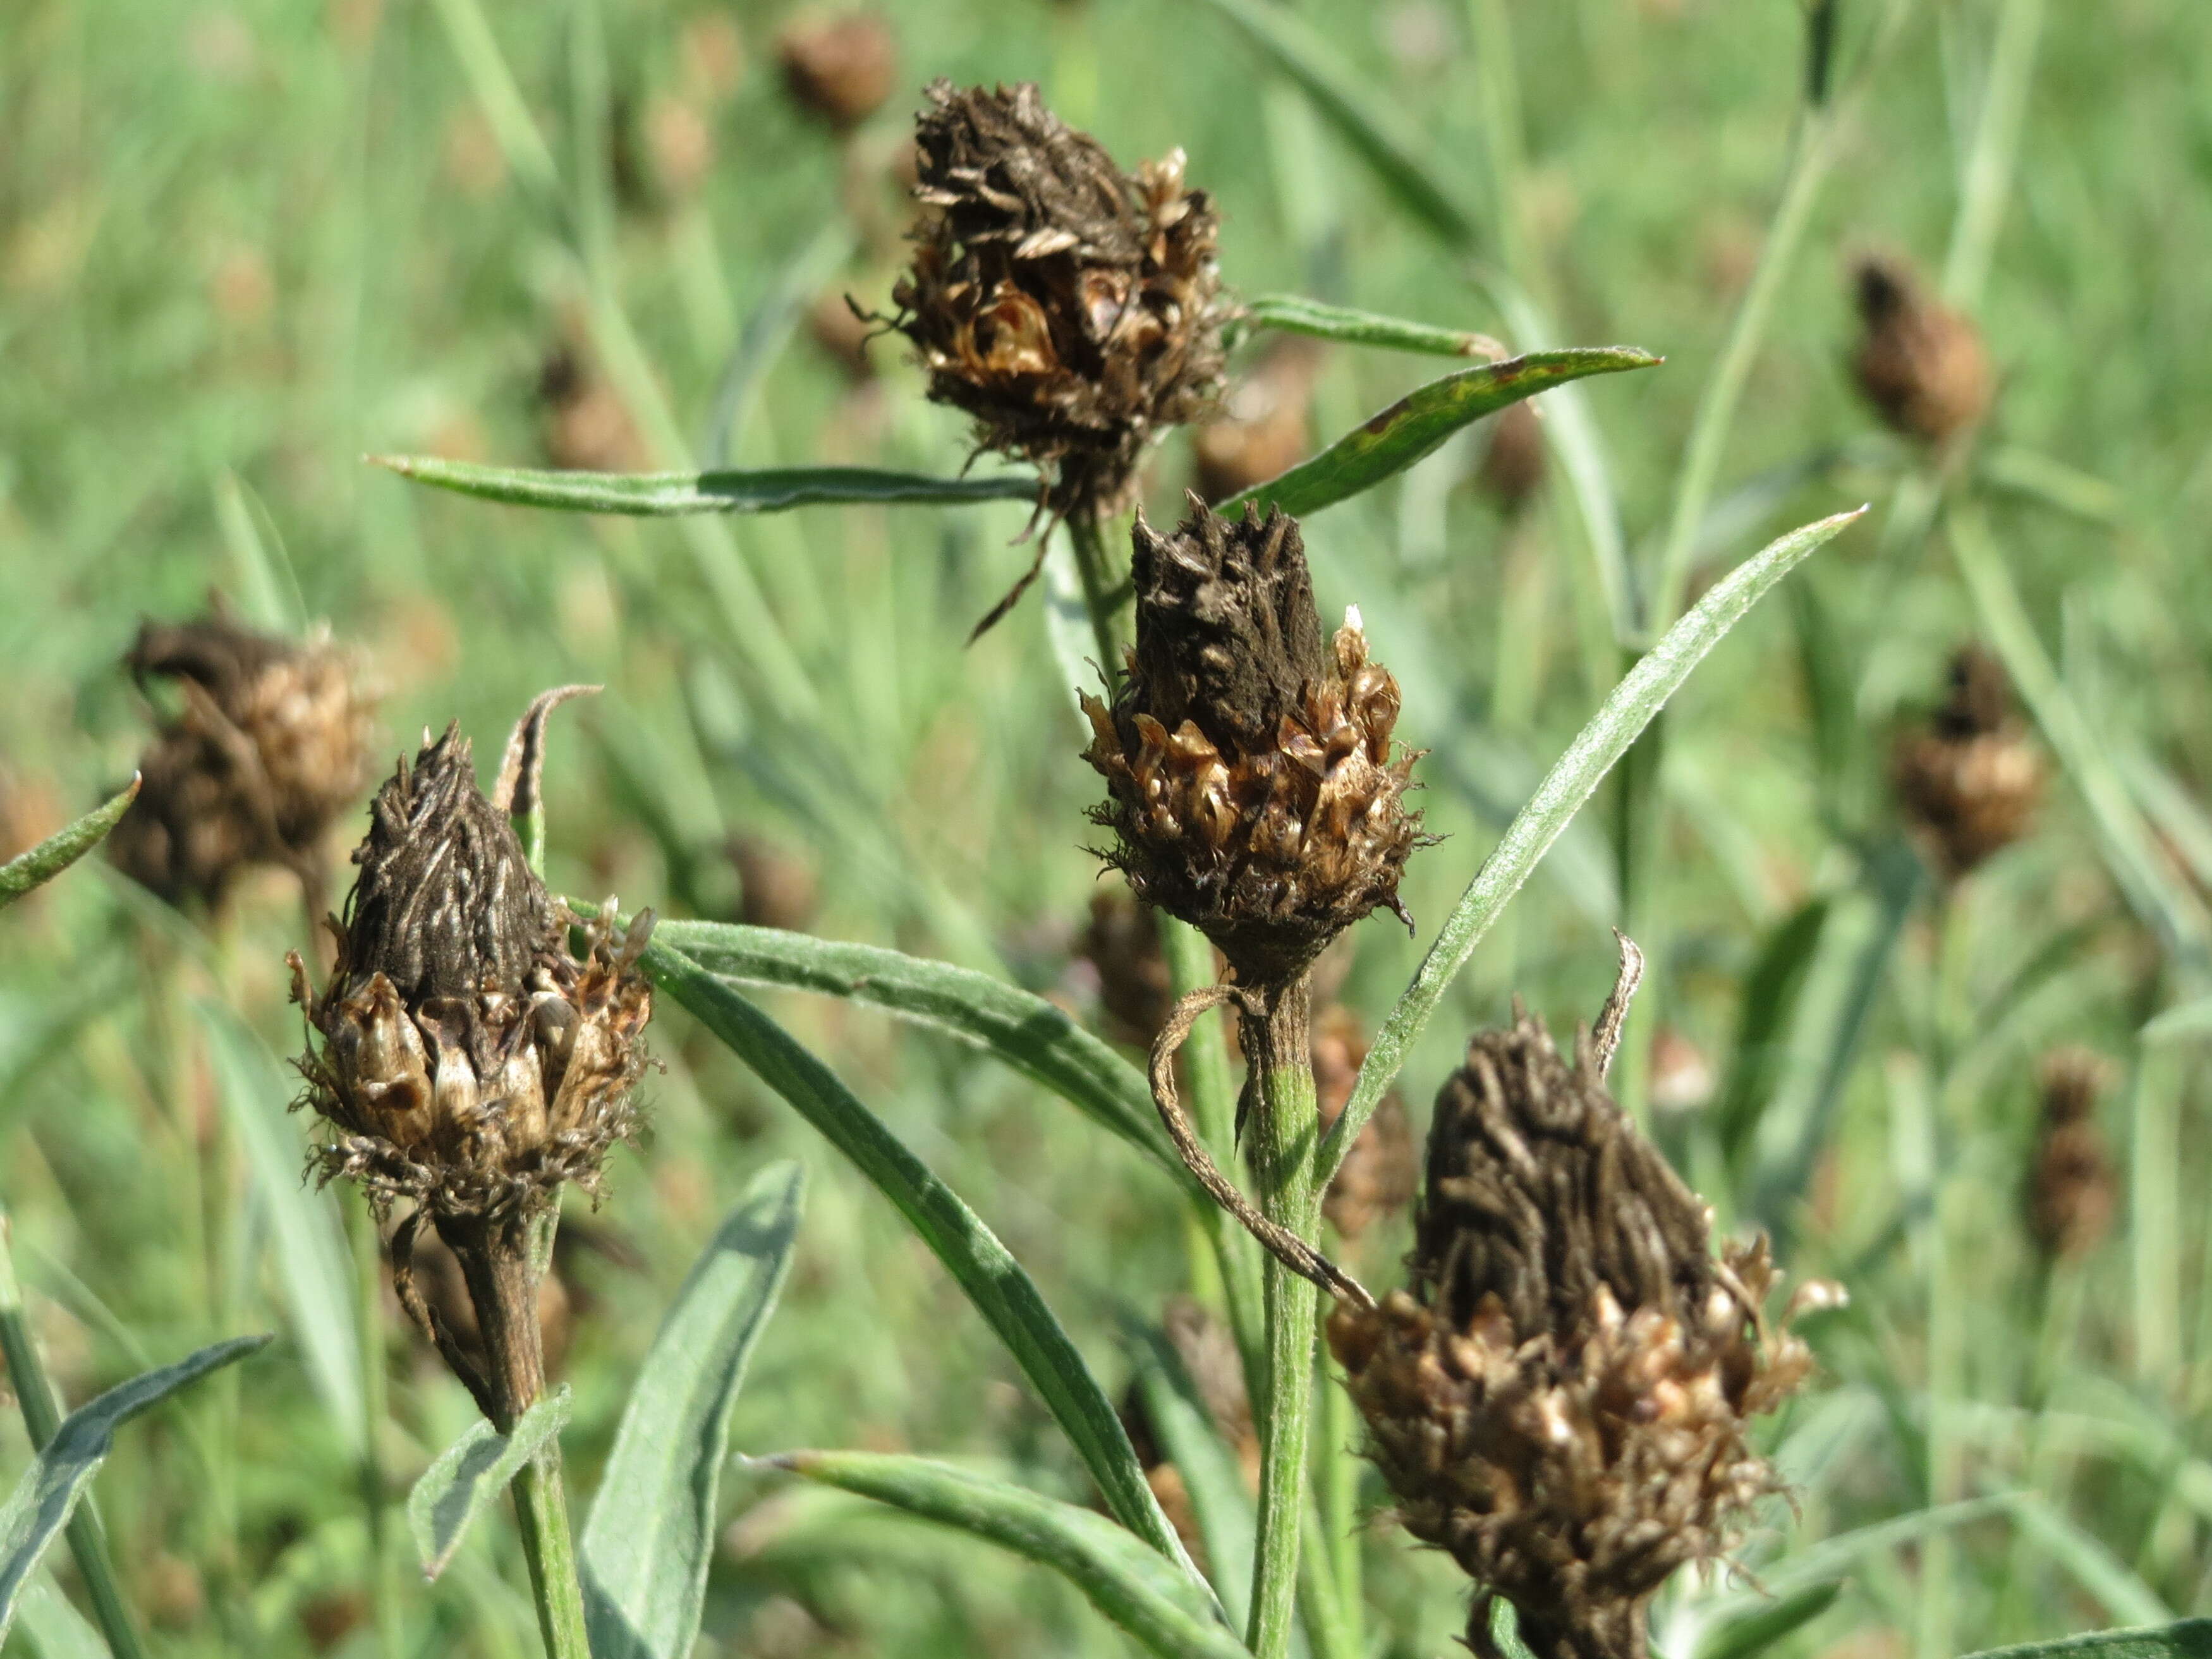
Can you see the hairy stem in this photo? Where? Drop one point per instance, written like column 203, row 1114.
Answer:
column 1099, row 588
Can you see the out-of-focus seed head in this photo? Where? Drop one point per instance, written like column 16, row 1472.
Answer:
column 1071, row 309
column 270, row 746
column 1512, row 467
column 2072, row 1188
column 1206, row 1350
column 776, row 887
column 1968, row 780
column 1254, row 791
column 1121, row 943
column 1922, row 365
column 1265, row 424
column 1380, row 1174
column 468, row 1061
column 842, row 69
column 1560, row 1400
column 584, row 425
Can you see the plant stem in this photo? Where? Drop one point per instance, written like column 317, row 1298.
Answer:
column 1988, row 180
column 35, row 1398
column 541, row 1504
column 1098, row 590
column 1285, row 1124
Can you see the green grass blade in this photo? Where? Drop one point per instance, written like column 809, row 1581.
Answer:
column 1293, row 313
column 65, row 848
column 1126, row 1582
column 1771, row 986
column 2090, row 1562
column 268, row 587
column 998, row 1285
column 54, row 1628
column 1569, row 784
column 1762, row 1628
column 1412, row 428
column 669, row 494
column 312, row 1263
column 767, row 330
column 651, row 1533
column 2191, row 1638
column 1220, row 1501
column 469, row 1475
column 47, row 1495
column 1363, row 118
column 1028, row 1033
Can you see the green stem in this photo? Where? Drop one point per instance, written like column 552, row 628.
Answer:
column 1996, row 150
column 1639, row 822
column 541, row 1504
column 1338, row 1501
column 1096, row 569
column 1285, row 1127
column 41, row 1418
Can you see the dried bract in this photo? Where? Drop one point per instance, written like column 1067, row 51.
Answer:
column 468, row 1061
column 1070, row 308
column 2072, row 1189
column 1560, row 1401
column 842, row 69
column 270, row 747
column 1922, row 365
column 1968, row 781
column 1255, row 793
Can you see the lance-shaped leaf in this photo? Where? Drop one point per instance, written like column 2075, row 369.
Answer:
column 470, row 1475
column 995, row 1283
column 667, row 495
column 47, row 1495
column 651, row 1535
column 1412, row 428
column 1753, row 1631
column 2191, row 1638
column 1129, row 1583
column 1293, row 313
column 65, row 848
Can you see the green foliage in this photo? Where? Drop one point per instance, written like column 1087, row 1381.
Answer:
column 20, row 874
column 471, row 1475
column 666, row 494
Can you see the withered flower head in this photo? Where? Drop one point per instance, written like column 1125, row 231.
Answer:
column 1512, row 468
column 2072, row 1190
column 468, row 1061
column 1254, row 791
column 1121, row 943
column 270, row 746
column 842, row 69
column 1922, row 365
column 1071, row 308
column 1560, row 1401
column 1968, row 780
column 1264, row 428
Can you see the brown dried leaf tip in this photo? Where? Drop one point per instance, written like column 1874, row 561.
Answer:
column 1560, row 1401
column 1968, row 781
column 468, row 1061
column 1254, row 789
column 270, row 747
column 1922, row 365
column 1071, row 308
column 2072, row 1190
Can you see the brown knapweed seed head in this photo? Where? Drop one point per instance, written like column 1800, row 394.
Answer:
column 270, row 746
column 1560, row 1400
column 842, row 69
column 1968, row 780
column 1922, row 365
column 468, row 1061
column 1071, row 309
column 1265, row 424
column 1254, row 791
column 2072, row 1188
column 1512, row 468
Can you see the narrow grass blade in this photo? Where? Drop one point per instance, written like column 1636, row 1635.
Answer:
column 667, row 495
column 1028, row 1033
column 269, row 589
column 1763, row 1626
column 468, row 1476
column 2190, row 1019
column 47, row 1496
column 2090, row 1562
column 767, row 330
column 65, row 848
column 1770, row 989
column 651, row 1535
column 1293, row 313
column 2191, row 1638
column 1126, row 1582
column 1362, row 117
column 1220, row 1501
column 54, row 1628
column 1570, row 783
column 1002, row 1292
column 312, row 1263
column 1413, row 427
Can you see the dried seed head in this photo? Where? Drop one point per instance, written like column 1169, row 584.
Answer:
column 584, row 425
column 270, row 747
column 2072, row 1189
column 1070, row 308
column 1968, row 781
column 1512, row 469
column 1379, row 1175
column 842, row 69
column 776, row 887
column 1266, row 423
column 1560, row 1401
column 1121, row 943
column 1255, row 790
column 1922, row 365
column 468, row 1061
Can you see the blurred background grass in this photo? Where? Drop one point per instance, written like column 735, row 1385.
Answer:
column 242, row 245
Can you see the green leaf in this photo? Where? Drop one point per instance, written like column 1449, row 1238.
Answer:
column 663, row 495
column 47, row 1496
column 1414, row 426
column 1570, row 782
column 1002, row 1292
column 1220, row 1502
column 1760, row 1629
column 1293, row 313
column 1028, row 1033
column 1772, row 985
column 2191, row 1638
column 1126, row 1582
column 470, row 1475
column 311, row 1259
column 2091, row 1561
column 651, row 1535
column 60, row 850
column 1361, row 118
column 55, row 1629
